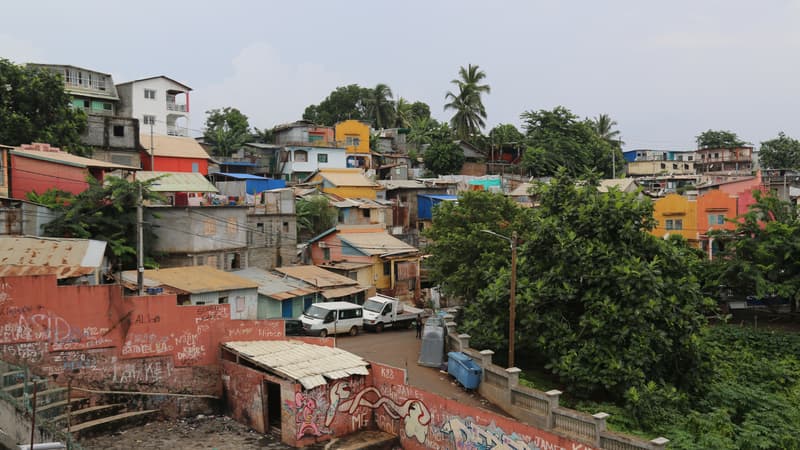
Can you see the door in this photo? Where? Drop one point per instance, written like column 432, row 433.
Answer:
column 287, row 309
column 272, row 407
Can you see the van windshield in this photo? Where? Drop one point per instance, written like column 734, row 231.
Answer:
column 315, row 312
column 372, row 305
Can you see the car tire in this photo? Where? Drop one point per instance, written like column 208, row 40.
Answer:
column 379, row 328
column 354, row 331
column 323, row 333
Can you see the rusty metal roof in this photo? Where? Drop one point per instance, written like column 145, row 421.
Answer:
column 193, row 279
column 310, row 365
column 279, row 287
column 317, row 276
column 68, row 159
column 66, row 258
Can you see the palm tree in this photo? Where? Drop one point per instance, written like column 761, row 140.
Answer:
column 404, row 113
column 470, row 113
column 380, row 107
column 603, row 125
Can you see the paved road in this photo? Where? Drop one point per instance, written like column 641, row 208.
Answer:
column 399, row 348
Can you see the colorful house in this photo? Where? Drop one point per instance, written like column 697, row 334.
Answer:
column 387, row 263
column 173, row 154
column 676, row 215
column 715, row 210
column 346, row 183
column 331, row 285
column 280, row 296
column 354, row 136
column 39, row 167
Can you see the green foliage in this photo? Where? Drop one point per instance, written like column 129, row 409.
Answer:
column 420, row 110
column 762, row 255
column 470, row 114
column 463, row 258
column 505, row 134
column 559, row 139
column 105, row 212
column 783, row 152
column 51, row 198
column 604, row 126
column 314, row 216
column 718, row 139
column 227, row 129
column 443, row 158
column 345, row 102
column 263, row 136
column 380, row 107
column 34, row 107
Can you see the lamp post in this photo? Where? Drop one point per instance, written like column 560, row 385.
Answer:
column 512, row 301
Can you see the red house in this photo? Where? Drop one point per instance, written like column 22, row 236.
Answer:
column 173, row 154
column 39, row 167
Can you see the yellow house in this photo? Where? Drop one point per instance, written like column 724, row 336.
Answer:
column 354, row 136
column 676, row 214
column 345, row 183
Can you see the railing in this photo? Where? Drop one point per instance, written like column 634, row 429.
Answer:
column 495, row 379
column 177, row 131
column 573, row 424
column 533, row 403
column 176, row 107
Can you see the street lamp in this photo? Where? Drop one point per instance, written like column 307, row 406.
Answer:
column 512, row 303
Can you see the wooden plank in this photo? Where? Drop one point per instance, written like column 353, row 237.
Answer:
column 104, row 420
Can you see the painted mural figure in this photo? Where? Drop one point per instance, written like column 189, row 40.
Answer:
column 306, row 407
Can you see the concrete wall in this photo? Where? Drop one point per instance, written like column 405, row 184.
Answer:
column 186, row 230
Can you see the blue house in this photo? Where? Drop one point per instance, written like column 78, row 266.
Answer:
column 240, row 183
column 426, row 203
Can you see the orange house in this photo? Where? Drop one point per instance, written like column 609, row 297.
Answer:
column 676, row 214
column 714, row 210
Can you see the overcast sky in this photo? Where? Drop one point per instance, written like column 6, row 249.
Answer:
column 665, row 71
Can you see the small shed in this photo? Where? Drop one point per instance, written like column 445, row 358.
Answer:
column 426, row 203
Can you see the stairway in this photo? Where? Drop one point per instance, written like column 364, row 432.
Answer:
column 74, row 415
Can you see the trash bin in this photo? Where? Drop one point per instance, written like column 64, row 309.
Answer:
column 464, row 369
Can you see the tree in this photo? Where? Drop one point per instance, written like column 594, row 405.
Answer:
column 782, row 152
column 464, row 258
column 420, row 110
column 422, row 131
column 558, row 138
column 470, row 113
column 107, row 212
column 263, row 136
column 34, row 107
column 314, row 216
column 226, row 130
column 718, row 139
column 380, row 107
column 602, row 304
column 404, row 113
column 443, row 158
column 345, row 102
column 604, row 126
column 762, row 255
column 505, row 134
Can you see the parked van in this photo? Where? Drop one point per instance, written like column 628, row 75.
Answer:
column 322, row 319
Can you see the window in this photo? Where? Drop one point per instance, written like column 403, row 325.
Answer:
column 716, row 155
column 149, row 120
column 150, row 93
column 365, row 213
column 350, row 313
column 322, row 157
column 223, row 300
column 195, row 167
column 678, row 224
column 669, row 224
column 119, row 131
column 663, row 166
column 234, row 261
column 300, row 156
column 354, row 141
column 686, row 167
column 716, row 219
column 691, row 158
column 326, row 254
column 107, row 106
column 285, row 227
column 387, row 268
column 87, row 104
column 674, row 166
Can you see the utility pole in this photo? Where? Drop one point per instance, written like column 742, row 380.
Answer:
column 140, row 244
column 152, row 151
column 512, row 306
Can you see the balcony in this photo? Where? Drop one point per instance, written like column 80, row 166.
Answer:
column 172, row 106
column 177, row 131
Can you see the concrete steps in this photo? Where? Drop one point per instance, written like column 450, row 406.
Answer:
column 116, row 421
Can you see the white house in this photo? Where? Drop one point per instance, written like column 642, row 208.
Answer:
column 160, row 102
column 298, row 162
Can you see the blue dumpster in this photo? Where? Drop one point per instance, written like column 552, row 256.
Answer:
column 464, row 369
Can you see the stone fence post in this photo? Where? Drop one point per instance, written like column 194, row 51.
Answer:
column 659, row 443
column 463, row 342
column 600, row 425
column 552, row 405
column 486, row 358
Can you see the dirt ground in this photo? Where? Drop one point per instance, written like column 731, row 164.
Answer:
column 200, row 432
column 397, row 348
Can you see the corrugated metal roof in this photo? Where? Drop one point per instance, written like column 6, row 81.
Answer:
column 310, row 365
column 317, row 276
column 68, row 159
column 173, row 146
column 623, row 184
column 194, row 279
column 342, row 292
column 345, row 265
column 241, row 176
column 347, row 177
column 67, row 258
column 376, row 243
column 177, row 182
column 279, row 287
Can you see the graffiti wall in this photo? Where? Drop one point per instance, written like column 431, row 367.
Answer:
column 105, row 340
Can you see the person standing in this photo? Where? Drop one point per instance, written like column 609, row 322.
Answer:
column 419, row 326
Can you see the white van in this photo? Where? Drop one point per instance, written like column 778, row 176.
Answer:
column 322, row 319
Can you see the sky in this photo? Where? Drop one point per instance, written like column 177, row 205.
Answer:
column 665, row 71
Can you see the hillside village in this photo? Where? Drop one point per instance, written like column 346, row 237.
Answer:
column 232, row 250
